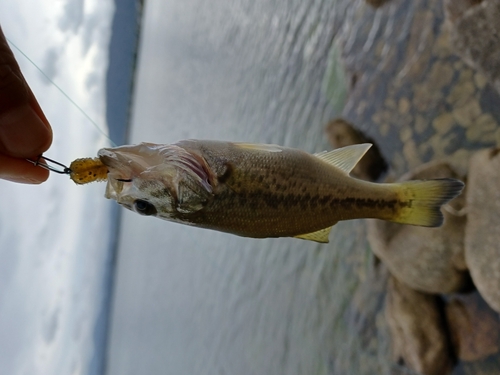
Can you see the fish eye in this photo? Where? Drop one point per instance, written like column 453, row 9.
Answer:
column 144, row 207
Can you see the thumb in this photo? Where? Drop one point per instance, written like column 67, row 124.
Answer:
column 24, row 130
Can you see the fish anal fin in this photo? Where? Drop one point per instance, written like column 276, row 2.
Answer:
column 345, row 158
column 320, row 236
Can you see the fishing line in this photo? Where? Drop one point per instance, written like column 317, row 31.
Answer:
column 62, row 92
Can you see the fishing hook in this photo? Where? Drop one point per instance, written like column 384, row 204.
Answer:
column 59, row 168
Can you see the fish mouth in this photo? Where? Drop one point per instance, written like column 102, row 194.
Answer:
column 127, row 162
column 124, row 164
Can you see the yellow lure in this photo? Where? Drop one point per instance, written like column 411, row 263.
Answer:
column 86, row 170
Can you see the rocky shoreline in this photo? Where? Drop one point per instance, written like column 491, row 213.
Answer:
column 426, row 90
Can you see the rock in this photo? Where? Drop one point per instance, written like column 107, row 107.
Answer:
column 473, row 326
column 376, row 3
column 419, row 340
column 433, row 265
column 482, row 238
column 455, row 9
column 341, row 133
column 475, row 34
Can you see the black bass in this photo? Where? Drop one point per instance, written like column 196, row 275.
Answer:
column 260, row 191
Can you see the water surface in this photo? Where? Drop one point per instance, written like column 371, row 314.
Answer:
column 193, row 301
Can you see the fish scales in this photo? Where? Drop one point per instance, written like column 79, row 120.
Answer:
column 292, row 192
column 263, row 190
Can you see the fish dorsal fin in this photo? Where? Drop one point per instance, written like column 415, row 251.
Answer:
column 259, row 147
column 318, row 236
column 344, row 158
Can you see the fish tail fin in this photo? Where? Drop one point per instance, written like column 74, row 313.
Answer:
column 424, row 199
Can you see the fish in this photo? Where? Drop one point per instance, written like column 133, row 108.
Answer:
column 264, row 190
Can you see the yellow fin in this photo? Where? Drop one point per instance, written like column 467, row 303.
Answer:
column 344, row 158
column 424, row 200
column 318, row 236
column 259, row 147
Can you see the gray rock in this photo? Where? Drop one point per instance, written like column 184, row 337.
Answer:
column 376, row 3
column 475, row 34
column 482, row 235
column 419, row 339
column 429, row 260
column 473, row 326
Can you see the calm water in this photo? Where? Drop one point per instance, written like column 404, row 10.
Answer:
column 191, row 301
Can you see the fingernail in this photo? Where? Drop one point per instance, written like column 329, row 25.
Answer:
column 22, row 133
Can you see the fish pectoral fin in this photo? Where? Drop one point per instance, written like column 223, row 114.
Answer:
column 259, row 147
column 345, row 158
column 318, row 236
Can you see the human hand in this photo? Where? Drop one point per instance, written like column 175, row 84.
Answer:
column 24, row 129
